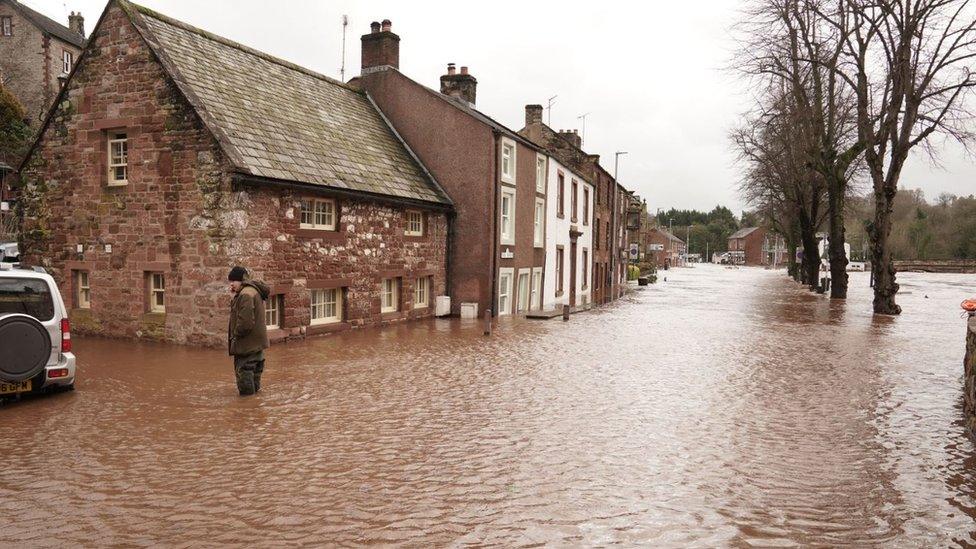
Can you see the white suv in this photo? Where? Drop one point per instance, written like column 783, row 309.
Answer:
column 35, row 335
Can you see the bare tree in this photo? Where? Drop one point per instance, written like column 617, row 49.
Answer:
column 777, row 179
column 908, row 64
column 789, row 42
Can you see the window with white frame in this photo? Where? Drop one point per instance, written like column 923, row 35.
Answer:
column 505, row 291
column 390, row 295
column 157, row 293
column 6, row 26
column 318, row 214
column 539, row 235
column 573, row 199
column 326, row 306
column 586, row 205
column 522, row 298
column 421, row 293
column 535, row 298
column 586, row 268
column 272, row 311
column 508, row 216
column 415, row 223
column 82, row 290
column 559, row 269
column 560, row 195
column 540, row 174
column 508, row 161
column 67, row 60
column 118, row 159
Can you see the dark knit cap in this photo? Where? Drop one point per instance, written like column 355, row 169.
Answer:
column 237, row 274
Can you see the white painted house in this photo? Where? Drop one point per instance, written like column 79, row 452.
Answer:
column 569, row 238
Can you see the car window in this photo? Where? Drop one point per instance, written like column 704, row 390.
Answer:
column 28, row 296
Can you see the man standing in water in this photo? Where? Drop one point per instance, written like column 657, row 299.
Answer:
column 247, row 335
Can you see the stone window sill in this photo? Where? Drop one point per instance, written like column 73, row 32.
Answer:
column 316, row 329
column 321, row 234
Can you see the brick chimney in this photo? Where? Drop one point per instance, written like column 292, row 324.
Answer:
column 381, row 47
column 533, row 115
column 461, row 85
column 572, row 136
column 77, row 23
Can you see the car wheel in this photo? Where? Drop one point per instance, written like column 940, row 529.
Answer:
column 27, row 347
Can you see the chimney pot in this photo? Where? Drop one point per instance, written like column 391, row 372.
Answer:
column 533, row 115
column 380, row 48
column 77, row 23
column 463, row 86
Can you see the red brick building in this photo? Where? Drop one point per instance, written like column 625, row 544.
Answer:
column 746, row 246
column 666, row 248
column 610, row 254
column 36, row 55
column 489, row 171
column 174, row 154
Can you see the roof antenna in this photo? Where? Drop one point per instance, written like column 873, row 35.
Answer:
column 549, row 110
column 583, row 129
column 342, row 70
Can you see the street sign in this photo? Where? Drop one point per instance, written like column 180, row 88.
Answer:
column 634, row 250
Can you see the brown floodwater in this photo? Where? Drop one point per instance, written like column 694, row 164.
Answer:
column 720, row 408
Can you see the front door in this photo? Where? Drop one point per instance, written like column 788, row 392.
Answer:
column 572, row 273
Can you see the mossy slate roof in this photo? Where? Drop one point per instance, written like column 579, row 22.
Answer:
column 280, row 121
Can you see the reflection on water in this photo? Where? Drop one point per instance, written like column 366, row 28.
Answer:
column 724, row 407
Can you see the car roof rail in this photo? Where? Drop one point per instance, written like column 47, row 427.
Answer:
column 39, row 270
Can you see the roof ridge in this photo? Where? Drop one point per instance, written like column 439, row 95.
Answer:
column 68, row 35
column 148, row 12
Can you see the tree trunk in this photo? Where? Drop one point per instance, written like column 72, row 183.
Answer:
column 811, row 255
column 791, row 267
column 882, row 266
column 836, row 251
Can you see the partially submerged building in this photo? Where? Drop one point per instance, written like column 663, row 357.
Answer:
column 747, row 246
column 488, row 170
column 173, row 154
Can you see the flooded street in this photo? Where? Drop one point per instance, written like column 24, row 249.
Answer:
column 720, row 408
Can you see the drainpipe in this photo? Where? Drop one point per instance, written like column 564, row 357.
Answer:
column 495, row 190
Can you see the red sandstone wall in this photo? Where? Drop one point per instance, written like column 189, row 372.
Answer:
column 368, row 246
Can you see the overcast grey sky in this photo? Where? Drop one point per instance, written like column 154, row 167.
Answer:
column 652, row 75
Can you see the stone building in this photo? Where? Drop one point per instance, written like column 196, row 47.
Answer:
column 36, row 55
column 174, row 154
column 609, row 253
column 746, row 246
column 488, row 170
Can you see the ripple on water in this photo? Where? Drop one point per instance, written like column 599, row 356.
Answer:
column 722, row 407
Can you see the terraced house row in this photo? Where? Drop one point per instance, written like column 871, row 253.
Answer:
column 161, row 163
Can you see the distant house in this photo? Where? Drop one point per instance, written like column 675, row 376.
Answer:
column 174, row 154
column 36, row 55
column 746, row 246
column 666, row 249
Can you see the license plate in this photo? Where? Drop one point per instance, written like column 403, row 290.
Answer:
column 12, row 387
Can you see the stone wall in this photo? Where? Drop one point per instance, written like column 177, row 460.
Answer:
column 970, row 376
column 176, row 173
